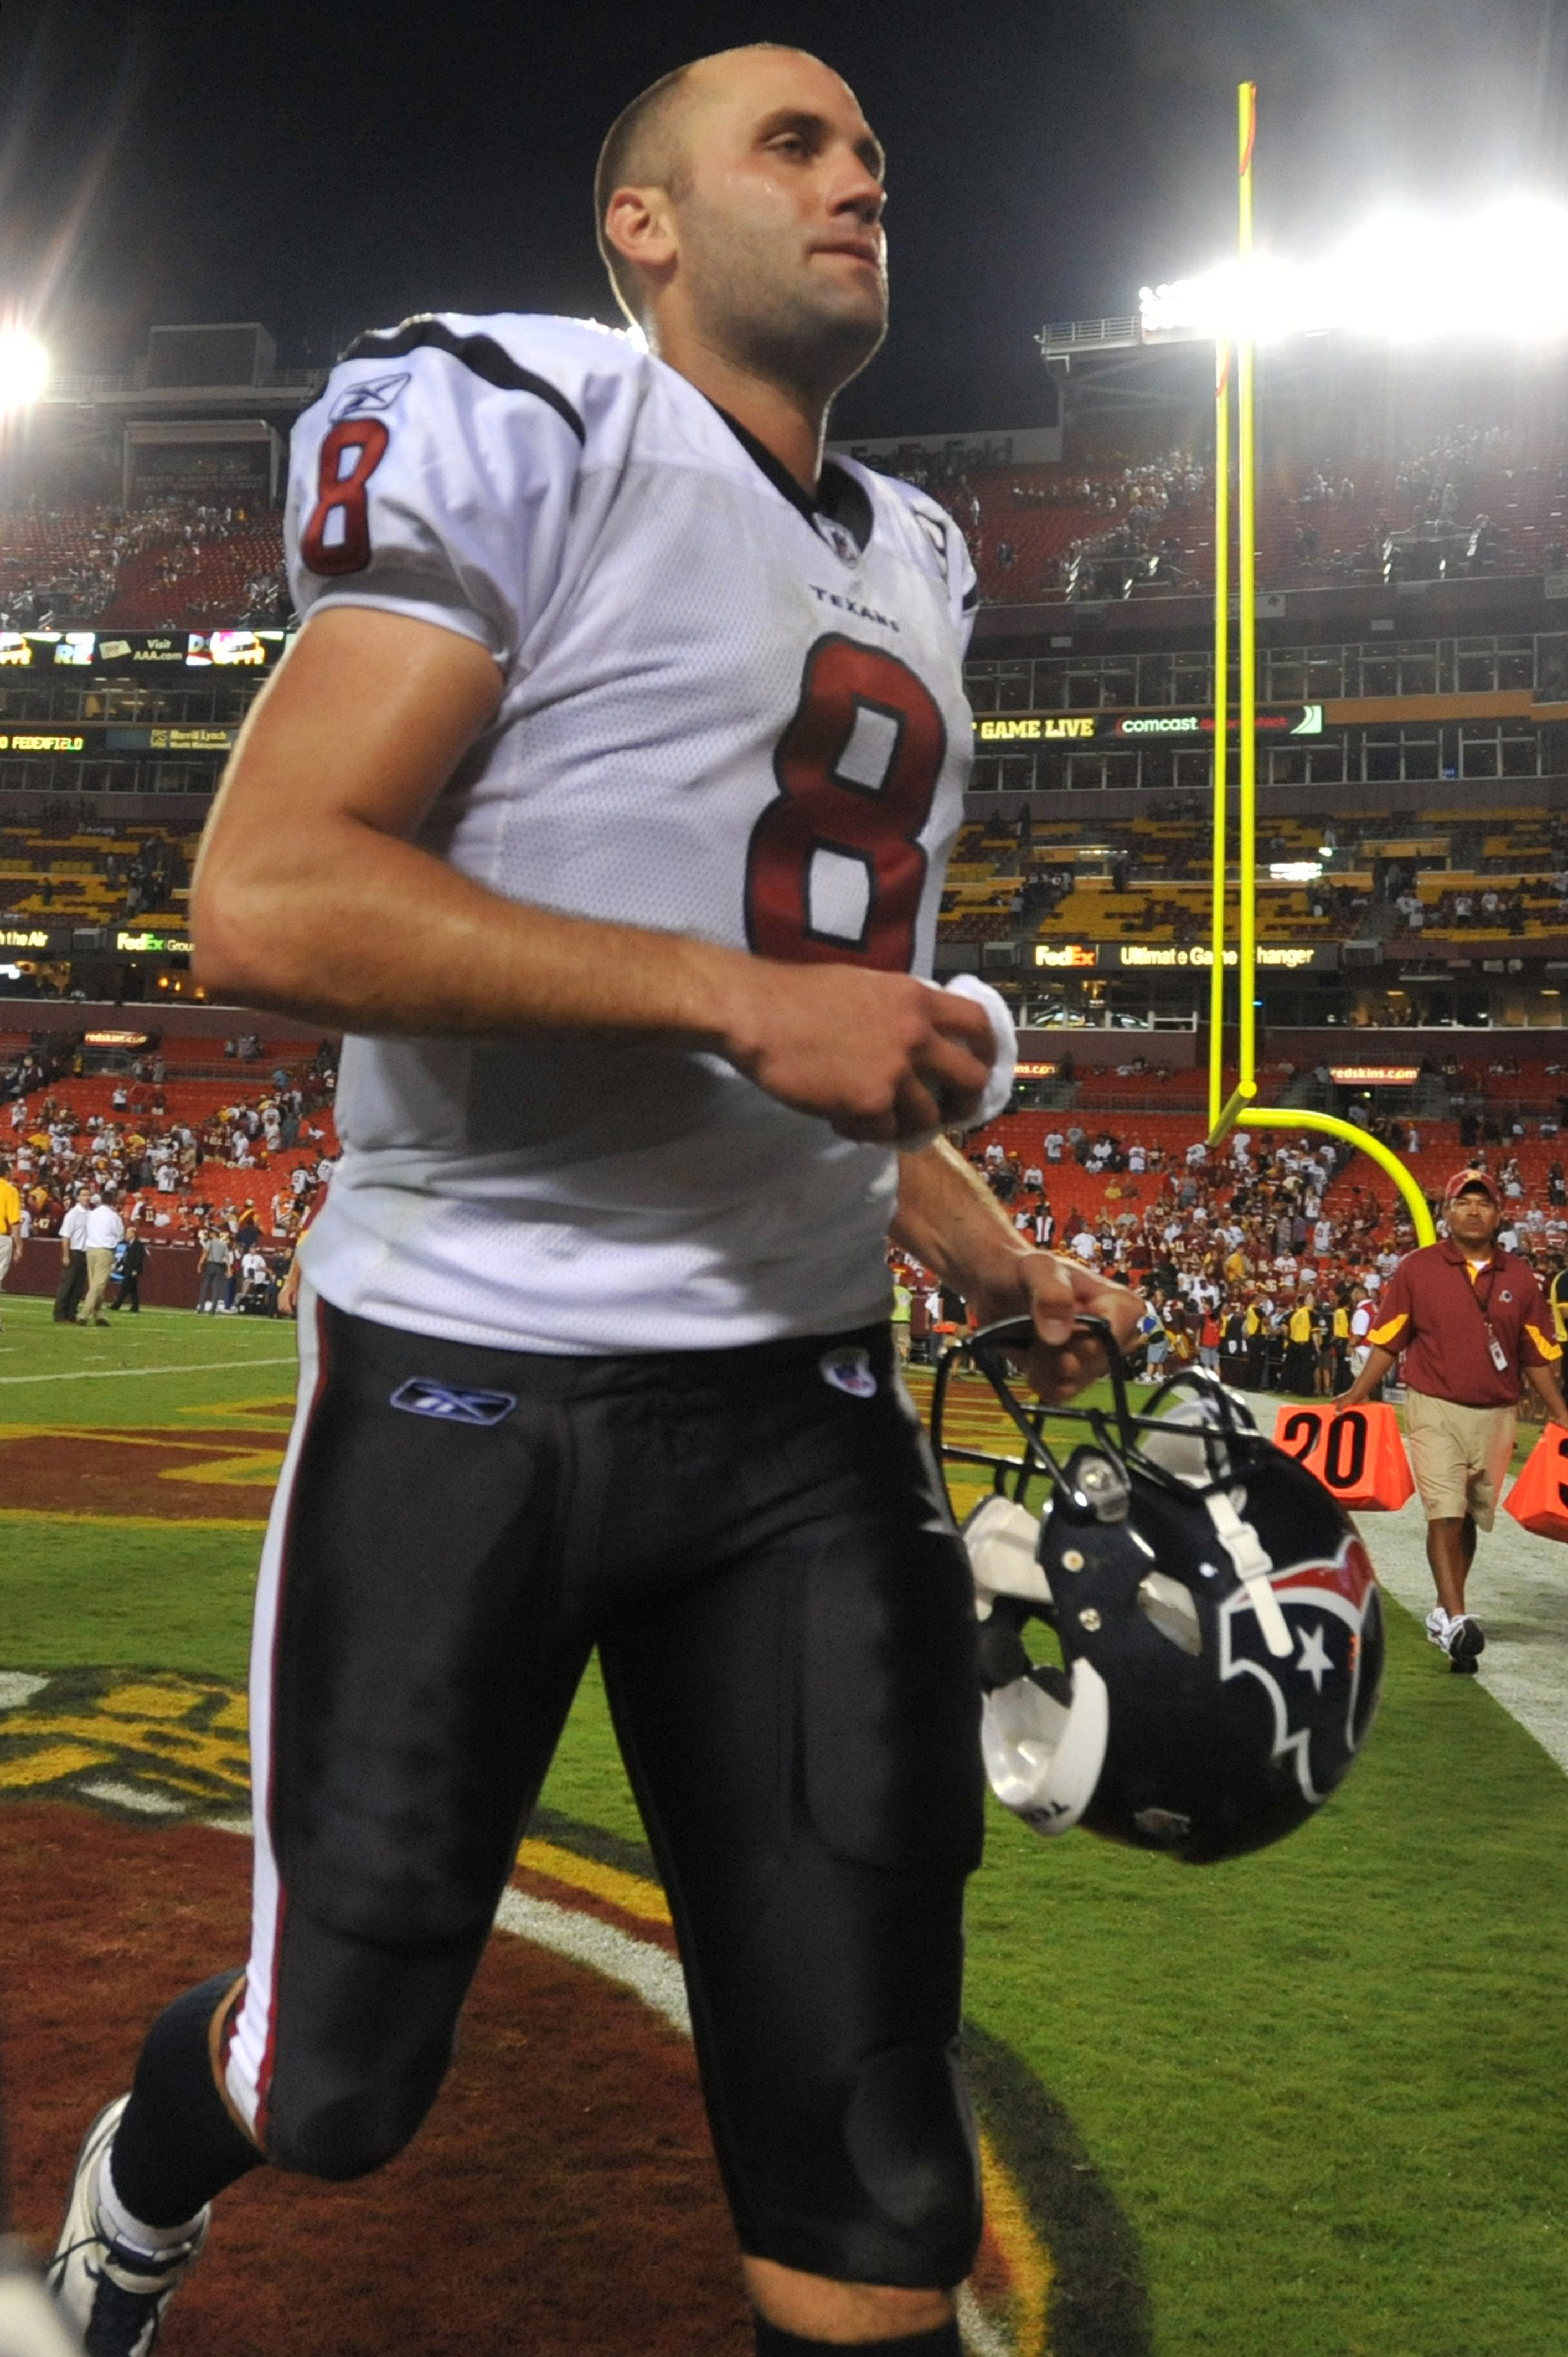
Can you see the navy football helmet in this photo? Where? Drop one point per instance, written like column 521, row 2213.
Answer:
column 1218, row 1616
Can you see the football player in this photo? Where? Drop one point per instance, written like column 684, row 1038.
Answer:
column 604, row 802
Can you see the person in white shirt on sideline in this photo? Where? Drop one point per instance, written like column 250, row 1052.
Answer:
column 73, row 1259
column 105, row 1232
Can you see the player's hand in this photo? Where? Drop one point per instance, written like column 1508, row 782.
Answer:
column 880, row 1057
column 1056, row 1292
column 288, row 1291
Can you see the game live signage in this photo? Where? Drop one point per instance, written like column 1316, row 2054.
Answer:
column 1138, row 728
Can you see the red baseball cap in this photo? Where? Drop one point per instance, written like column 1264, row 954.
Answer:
column 1464, row 1179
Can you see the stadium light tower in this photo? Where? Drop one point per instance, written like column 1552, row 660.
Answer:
column 23, row 370
column 1233, row 311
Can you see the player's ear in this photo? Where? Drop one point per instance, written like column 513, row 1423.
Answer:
column 639, row 226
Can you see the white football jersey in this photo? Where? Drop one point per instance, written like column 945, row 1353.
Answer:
column 727, row 713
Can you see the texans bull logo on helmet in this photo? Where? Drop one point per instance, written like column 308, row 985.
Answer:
column 1326, row 1606
column 1218, row 1619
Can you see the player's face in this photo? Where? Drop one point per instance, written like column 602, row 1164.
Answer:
column 778, row 219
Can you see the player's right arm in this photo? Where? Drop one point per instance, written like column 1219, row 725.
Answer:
column 311, row 897
column 432, row 514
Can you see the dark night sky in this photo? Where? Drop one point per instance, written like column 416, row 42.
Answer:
column 325, row 168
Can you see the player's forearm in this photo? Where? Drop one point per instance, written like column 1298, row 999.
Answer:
column 363, row 931
column 951, row 1221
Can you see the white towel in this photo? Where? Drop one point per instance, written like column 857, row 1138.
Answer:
column 1003, row 1064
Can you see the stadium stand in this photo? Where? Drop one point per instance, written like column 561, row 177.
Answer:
column 94, row 877
column 178, row 564
column 1479, row 501
column 178, row 1149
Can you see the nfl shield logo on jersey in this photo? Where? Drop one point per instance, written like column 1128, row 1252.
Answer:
column 849, row 1371
column 839, row 539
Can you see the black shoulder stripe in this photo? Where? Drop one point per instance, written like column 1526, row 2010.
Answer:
column 482, row 353
column 972, row 597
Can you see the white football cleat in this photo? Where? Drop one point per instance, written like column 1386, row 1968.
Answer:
column 113, row 2297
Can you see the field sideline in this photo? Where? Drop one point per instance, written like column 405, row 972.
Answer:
column 1323, row 2084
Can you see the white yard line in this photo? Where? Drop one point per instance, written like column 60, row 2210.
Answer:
column 186, row 1367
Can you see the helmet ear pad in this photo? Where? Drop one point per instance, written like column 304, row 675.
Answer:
column 1043, row 1732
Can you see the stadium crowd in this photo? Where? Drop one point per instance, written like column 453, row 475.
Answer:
column 79, row 564
column 1246, row 1270
column 160, row 1170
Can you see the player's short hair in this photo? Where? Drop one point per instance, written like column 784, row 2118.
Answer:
column 638, row 153
column 641, row 151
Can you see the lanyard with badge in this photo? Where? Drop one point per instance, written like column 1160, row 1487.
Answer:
column 1499, row 1356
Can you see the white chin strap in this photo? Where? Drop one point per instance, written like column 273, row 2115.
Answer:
column 1043, row 1758
column 1253, row 1564
column 1180, row 1448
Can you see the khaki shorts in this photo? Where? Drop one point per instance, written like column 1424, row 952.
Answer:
column 1459, row 1455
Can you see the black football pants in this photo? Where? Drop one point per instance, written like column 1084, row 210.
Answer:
column 764, row 1559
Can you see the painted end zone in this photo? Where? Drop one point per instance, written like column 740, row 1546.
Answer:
column 562, row 2197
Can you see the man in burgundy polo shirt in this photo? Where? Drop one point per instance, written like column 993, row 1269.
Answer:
column 1470, row 1321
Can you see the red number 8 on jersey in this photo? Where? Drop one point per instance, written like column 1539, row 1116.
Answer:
column 834, row 871
column 338, row 537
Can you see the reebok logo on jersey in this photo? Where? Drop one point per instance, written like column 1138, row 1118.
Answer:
column 849, row 1371
column 364, row 400
column 420, row 1396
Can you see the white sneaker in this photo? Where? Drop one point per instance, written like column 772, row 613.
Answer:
column 1465, row 1642
column 1437, row 1627
column 114, row 2297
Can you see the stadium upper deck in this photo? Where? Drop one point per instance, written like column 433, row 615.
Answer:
column 1413, row 683
column 1477, row 503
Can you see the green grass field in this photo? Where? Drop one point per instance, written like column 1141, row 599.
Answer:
column 1328, row 2084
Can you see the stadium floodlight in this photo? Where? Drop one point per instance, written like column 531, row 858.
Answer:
column 23, row 370
column 1401, row 277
